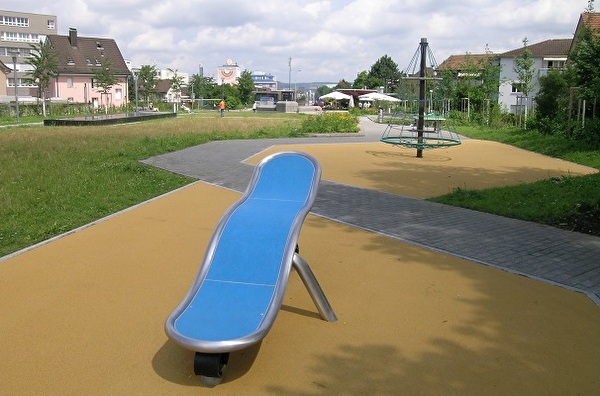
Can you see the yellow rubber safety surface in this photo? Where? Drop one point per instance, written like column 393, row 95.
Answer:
column 84, row 313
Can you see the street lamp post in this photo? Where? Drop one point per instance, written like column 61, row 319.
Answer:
column 201, row 92
column 135, row 84
column 14, row 59
column 290, row 74
column 296, row 86
column 431, row 100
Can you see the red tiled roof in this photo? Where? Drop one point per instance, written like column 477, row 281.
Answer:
column 459, row 62
column 554, row 47
column 85, row 54
column 592, row 20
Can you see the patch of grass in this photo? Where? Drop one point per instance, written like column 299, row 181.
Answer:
column 551, row 145
column 55, row 179
column 571, row 202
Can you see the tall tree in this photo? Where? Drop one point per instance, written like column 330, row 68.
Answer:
column 554, row 92
column 523, row 66
column 45, row 66
column 385, row 72
column 203, row 87
column 583, row 73
column 104, row 79
column 176, row 84
column 323, row 90
column 343, row 84
column 361, row 80
column 245, row 87
column 584, row 60
column 147, row 82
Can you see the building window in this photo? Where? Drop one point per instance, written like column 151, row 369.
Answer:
column 118, row 94
column 517, row 87
column 14, row 21
column 21, row 37
column 51, row 24
column 69, row 82
column 556, row 64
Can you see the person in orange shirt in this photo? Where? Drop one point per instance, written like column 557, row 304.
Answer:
column 222, row 107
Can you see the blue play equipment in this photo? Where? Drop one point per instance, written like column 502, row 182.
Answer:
column 240, row 286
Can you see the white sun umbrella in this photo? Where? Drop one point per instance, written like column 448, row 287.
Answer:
column 378, row 96
column 336, row 95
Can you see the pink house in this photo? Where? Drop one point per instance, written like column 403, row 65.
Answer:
column 78, row 59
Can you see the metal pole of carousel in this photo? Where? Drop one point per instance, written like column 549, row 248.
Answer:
column 422, row 98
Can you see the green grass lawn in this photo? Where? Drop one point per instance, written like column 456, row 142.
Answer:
column 54, row 179
column 572, row 203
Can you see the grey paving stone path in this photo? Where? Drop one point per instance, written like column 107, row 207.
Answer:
column 559, row 257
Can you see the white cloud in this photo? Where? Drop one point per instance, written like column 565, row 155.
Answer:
column 327, row 39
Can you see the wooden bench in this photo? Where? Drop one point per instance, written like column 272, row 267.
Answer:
column 238, row 291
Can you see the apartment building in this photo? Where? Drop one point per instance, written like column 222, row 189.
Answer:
column 17, row 31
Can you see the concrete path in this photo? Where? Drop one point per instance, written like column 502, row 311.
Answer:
column 567, row 259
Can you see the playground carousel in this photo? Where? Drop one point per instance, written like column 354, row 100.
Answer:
column 427, row 128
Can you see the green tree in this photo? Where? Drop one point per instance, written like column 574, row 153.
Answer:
column 323, row 90
column 361, row 80
column 552, row 103
column 45, row 66
column 203, row 87
column 585, row 70
column 554, row 89
column 147, row 82
column 385, row 73
column 245, row 87
column 104, row 79
column 343, row 84
column 584, row 75
column 365, row 81
column 176, row 84
column 523, row 66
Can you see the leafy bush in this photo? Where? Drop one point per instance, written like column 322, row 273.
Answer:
column 330, row 123
column 547, row 125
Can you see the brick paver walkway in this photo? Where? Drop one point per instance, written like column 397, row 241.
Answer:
column 567, row 259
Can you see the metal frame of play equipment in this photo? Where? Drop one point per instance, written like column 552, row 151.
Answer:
column 428, row 132
column 434, row 134
column 239, row 289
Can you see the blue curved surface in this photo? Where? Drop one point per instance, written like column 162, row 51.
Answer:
column 241, row 282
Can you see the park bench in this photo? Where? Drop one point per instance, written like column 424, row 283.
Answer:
column 239, row 288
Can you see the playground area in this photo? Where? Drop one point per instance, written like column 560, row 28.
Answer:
column 475, row 164
column 85, row 313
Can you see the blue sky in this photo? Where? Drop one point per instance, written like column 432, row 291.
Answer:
column 327, row 40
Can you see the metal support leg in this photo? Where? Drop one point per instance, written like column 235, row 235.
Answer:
column 314, row 289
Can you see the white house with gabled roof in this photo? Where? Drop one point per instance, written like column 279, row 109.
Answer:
column 546, row 55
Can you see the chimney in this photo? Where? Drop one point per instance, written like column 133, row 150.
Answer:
column 73, row 37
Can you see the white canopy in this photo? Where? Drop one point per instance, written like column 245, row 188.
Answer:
column 378, row 96
column 336, row 95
